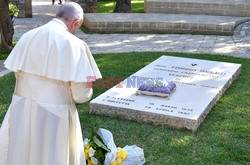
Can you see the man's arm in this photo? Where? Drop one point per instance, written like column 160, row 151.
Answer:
column 80, row 92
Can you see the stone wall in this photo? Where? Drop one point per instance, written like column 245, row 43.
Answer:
column 236, row 8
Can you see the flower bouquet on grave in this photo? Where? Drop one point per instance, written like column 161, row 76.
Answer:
column 156, row 88
column 100, row 149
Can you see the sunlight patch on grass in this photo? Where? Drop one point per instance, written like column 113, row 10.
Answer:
column 137, row 6
column 183, row 141
column 109, row 4
column 137, row 2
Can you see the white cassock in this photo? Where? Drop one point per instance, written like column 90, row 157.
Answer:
column 41, row 126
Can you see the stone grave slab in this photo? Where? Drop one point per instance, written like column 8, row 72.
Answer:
column 199, row 84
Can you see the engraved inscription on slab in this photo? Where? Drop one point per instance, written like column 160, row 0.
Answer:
column 199, row 84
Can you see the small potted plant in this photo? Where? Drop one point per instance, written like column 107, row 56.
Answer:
column 13, row 9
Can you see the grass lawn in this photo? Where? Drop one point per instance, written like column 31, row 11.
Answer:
column 137, row 6
column 4, row 54
column 223, row 138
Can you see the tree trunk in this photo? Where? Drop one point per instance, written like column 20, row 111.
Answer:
column 6, row 26
column 122, row 6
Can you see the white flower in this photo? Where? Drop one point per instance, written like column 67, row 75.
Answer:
column 119, row 160
column 86, row 142
column 94, row 160
column 91, row 152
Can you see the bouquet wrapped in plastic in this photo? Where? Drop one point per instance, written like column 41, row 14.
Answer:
column 101, row 149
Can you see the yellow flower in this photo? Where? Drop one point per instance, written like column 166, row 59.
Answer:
column 121, row 153
column 86, row 151
column 89, row 162
column 114, row 163
column 119, row 161
column 120, row 156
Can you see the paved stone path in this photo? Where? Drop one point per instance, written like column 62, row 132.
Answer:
column 237, row 45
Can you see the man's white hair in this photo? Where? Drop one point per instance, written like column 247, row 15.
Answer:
column 70, row 11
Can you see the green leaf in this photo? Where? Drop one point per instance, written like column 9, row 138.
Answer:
column 100, row 143
column 100, row 155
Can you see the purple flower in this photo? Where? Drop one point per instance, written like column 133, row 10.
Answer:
column 163, row 87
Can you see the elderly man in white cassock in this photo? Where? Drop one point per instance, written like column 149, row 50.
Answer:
column 51, row 65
